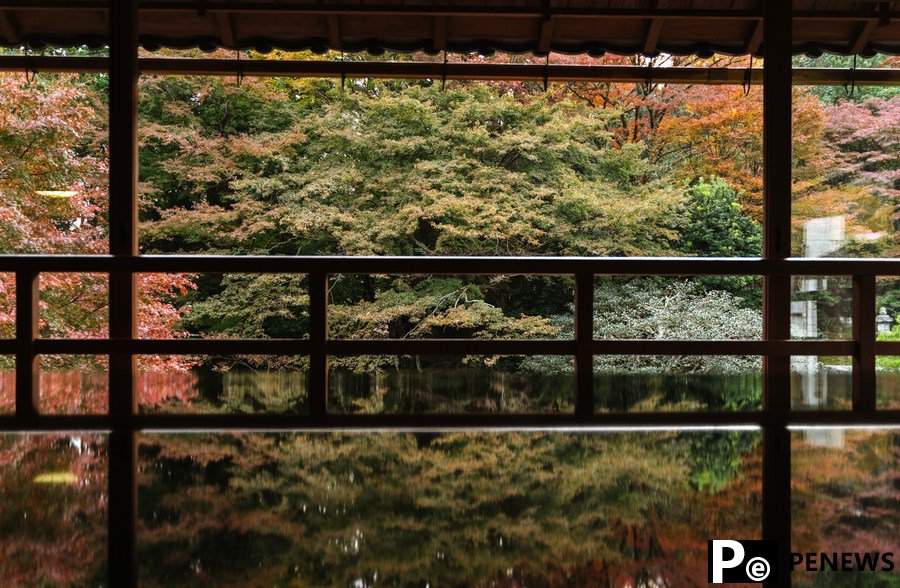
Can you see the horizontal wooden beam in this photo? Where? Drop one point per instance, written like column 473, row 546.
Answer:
column 385, row 9
column 617, row 266
column 50, row 64
column 447, row 9
column 887, row 348
column 768, row 347
column 349, row 347
column 449, row 347
column 173, row 346
column 452, row 71
column 230, row 423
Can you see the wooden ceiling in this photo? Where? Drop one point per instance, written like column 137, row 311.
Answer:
column 595, row 27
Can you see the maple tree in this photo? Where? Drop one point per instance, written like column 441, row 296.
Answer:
column 53, row 199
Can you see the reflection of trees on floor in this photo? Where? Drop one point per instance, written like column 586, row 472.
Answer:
column 501, row 509
column 845, row 498
column 444, row 509
column 498, row 509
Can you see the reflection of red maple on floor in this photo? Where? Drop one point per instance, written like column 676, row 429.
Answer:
column 53, row 511
column 846, row 498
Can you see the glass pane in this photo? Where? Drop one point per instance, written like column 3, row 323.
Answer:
column 74, row 306
column 449, row 307
column 844, row 499
column 73, row 384
column 7, row 384
column 637, row 383
column 222, row 384
column 55, row 164
column 821, row 382
column 7, row 305
column 821, row 307
column 887, row 382
column 707, row 307
column 53, row 520
column 887, row 374
column 887, row 304
column 845, row 160
column 385, row 384
column 442, row 509
column 224, row 306
column 7, row 331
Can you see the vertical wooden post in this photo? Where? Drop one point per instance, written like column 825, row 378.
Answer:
column 123, row 178
column 864, row 334
column 27, row 306
column 318, row 335
column 584, row 338
column 777, row 139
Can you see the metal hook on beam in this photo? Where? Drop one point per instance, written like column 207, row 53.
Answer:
column 748, row 77
column 546, row 73
column 240, row 70
column 852, row 79
column 30, row 70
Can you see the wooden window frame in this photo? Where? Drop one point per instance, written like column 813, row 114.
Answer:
column 124, row 422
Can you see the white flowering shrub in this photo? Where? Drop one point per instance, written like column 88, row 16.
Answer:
column 672, row 309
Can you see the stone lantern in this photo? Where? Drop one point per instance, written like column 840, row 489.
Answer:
column 883, row 321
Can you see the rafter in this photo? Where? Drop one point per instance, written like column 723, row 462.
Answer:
column 655, row 29
column 756, row 38
column 546, row 35
column 334, row 31
column 440, row 33
column 10, row 27
column 226, row 28
column 863, row 37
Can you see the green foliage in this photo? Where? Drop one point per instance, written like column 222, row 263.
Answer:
column 717, row 457
column 671, row 308
column 891, row 362
column 835, row 94
column 411, row 307
column 247, row 306
column 716, row 225
column 423, row 172
column 888, row 296
column 400, row 168
column 660, row 308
